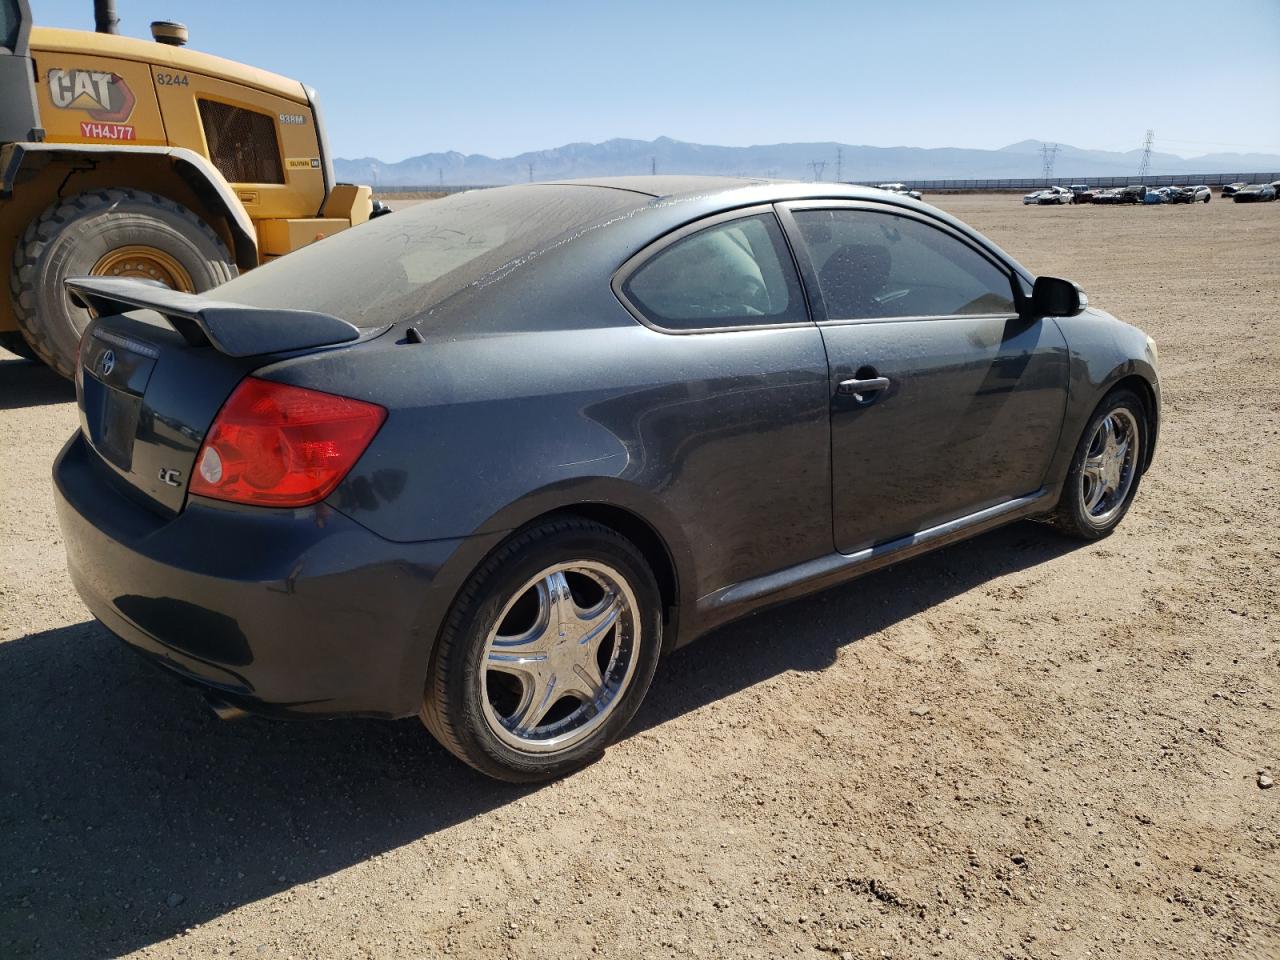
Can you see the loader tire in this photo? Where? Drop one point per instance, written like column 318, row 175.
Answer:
column 119, row 233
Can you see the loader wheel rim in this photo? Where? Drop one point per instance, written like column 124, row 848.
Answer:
column 146, row 263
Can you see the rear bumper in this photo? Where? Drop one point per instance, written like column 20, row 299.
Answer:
column 285, row 612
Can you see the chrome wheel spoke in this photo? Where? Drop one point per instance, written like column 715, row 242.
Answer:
column 599, row 621
column 540, row 694
column 1094, row 494
column 555, row 592
column 1109, row 434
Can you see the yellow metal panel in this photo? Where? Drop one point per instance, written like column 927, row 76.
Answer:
column 303, row 190
column 87, row 99
column 82, row 42
column 350, row 202
column 278, row 237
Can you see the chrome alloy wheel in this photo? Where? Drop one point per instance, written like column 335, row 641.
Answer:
column 1110, row 466
column 563, row 652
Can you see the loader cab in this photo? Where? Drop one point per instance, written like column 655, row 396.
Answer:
column 19, row 118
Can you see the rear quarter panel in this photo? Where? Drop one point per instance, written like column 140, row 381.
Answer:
column 719, row 441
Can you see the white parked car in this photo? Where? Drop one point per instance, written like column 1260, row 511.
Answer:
column 902, row 189
column 1033, row 197
column 1056, row 195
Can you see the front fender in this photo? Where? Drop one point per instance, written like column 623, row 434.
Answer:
column 209, row 185
column 1103, row 352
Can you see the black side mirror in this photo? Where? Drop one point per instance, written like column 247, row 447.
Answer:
column 1053, row 297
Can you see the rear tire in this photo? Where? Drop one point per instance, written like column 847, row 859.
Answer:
column 1103, row 480
column 527, row 682
column 111, row 233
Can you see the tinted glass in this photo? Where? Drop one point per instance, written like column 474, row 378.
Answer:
column 242, row 143
column 733, row 274
column 874, row 265
column 9, row 20
column 397, row 267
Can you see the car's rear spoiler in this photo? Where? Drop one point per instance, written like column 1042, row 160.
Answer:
column 230, row 328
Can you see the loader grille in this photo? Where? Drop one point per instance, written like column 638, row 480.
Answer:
column 242, row 143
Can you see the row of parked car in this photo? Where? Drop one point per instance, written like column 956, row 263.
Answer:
column 1135, row 193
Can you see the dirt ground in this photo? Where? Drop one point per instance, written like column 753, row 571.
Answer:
column 1017, row 747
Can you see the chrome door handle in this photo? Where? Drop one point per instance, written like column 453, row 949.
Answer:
column 859, row 389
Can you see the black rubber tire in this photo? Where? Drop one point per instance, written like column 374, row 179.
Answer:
column 74, row 233
column 1069, row 516
column 16, row 343
column 451, row 707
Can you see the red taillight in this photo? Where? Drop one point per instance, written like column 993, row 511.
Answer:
column 281, row 446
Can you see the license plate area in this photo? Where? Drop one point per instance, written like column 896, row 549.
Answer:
column 114, row 374
column 111, row 421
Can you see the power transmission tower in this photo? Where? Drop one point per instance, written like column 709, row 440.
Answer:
column 440, row 175
column 531, row 172
column 1145, row 165
column 839, row 163
column 818, row 167
column 1049, row 154
column 653, row 166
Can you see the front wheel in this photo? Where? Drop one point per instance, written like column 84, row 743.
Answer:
column 547, row 652
column 1106, row 469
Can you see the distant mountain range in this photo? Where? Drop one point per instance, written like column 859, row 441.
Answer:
column 828, row 161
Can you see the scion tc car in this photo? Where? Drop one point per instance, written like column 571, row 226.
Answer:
column 487, row 459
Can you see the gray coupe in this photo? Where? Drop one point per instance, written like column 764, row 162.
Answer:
column 487, row 459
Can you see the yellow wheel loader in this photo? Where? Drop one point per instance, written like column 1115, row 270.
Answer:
column 131, row 158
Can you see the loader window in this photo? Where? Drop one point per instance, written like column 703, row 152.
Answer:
column 10, row 18
column 242, row 143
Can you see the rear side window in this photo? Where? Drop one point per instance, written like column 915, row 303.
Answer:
column 873, row 265
column 242, row 143
column 733, row 274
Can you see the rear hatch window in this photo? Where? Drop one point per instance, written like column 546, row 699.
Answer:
column 398, row 266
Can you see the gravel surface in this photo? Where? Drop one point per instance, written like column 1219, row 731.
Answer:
column 1017, row 747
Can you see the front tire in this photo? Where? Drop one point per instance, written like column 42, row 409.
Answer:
column 547, row 652
column 1106, row 469
column 123, row 233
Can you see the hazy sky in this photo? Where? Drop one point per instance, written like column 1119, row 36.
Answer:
column 403, row 78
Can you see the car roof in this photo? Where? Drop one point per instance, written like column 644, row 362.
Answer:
column 667, row 185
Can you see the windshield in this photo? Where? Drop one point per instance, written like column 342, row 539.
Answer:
column 397, row 266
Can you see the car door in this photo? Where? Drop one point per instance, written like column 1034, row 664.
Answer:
column 944, row 400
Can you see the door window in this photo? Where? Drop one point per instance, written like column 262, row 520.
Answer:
column 873, row 266
column 733, row 274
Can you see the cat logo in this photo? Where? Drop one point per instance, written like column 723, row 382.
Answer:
column 104, row 96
